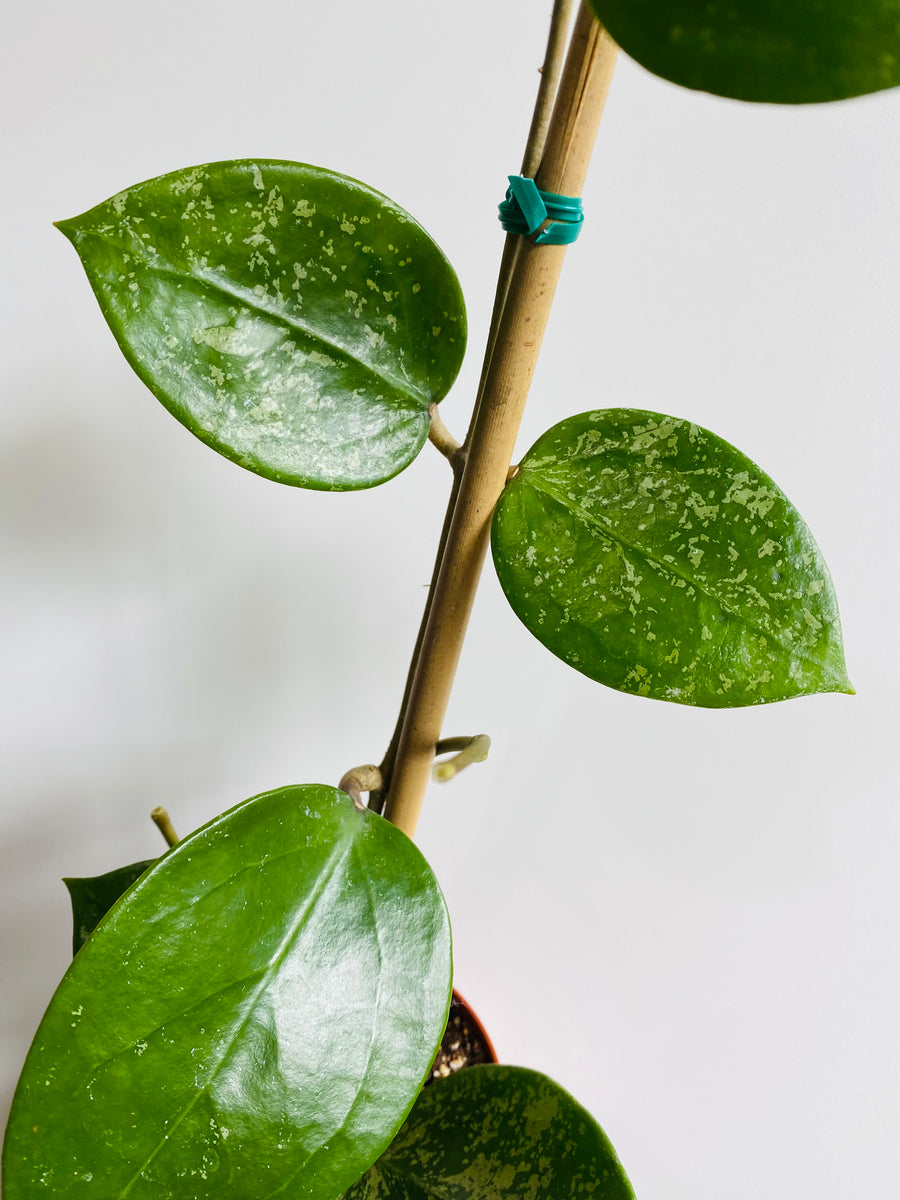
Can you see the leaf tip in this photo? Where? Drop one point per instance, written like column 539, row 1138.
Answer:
column 839, row 684
column 67, row 227
column 842, row 684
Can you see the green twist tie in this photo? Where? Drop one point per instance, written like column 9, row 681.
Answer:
column 526, row 208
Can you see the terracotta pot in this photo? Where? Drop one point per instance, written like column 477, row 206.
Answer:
column 465, row 1042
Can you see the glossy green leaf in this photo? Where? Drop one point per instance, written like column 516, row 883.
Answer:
column 255, row 1017
column 785, row 51
column 93, row 896
column 295, row 320
column 654, row 557
column 496, row 1133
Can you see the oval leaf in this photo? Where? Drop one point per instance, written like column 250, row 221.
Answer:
column 254, row 1017
column 784, row 51
column 496, row 1133
column 654, row 557
column 93, row 896
column 295, row 320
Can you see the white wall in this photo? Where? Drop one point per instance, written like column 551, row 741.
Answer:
column 688, row 918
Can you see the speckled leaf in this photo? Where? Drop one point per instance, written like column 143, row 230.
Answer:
column 295, row 320
column 93, row 896
column 785, row 51
column 255, row 1017
column 496, row 1133
column 654, row 557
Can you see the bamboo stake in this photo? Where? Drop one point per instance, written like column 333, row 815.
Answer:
column 491, row 442
column 551, row 72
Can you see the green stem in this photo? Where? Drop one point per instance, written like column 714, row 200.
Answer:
column 160, row 819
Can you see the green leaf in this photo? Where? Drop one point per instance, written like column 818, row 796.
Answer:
column 253, row 1018
column 784, row 51
column 654, row 557
column 93, row 896
column 496, row 1133
column 294, row 319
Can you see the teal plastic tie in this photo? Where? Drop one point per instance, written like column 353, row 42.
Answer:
column 526, row 208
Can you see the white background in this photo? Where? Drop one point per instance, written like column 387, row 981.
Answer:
column 688, row 918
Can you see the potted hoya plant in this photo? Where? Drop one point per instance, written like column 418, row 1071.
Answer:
column 262, row 1010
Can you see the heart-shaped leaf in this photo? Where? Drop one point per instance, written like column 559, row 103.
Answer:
column 654, row 557
column 294, row 319
column 253, row 1018
column 93, row 896
column 496, row 1133
column 785, row 51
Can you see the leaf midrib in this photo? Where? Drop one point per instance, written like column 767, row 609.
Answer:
column 369, row 1052
column 128, row 1046
column 541, row 484
column 341, row 851
column 166, row 267
column 252, row 302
